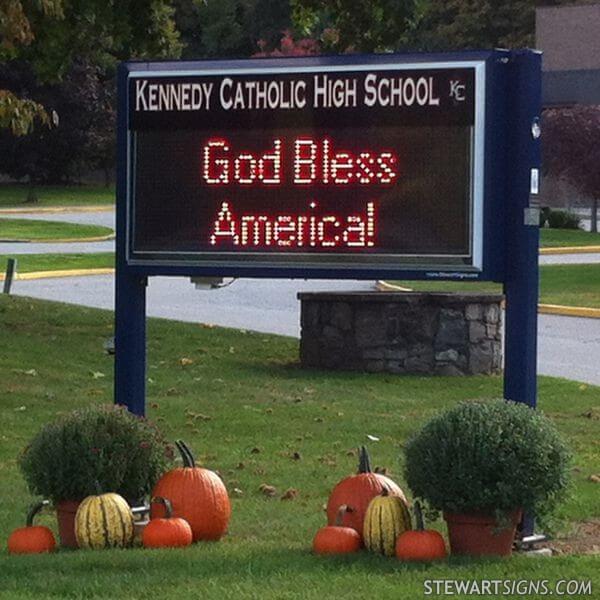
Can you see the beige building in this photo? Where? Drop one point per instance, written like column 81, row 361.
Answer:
column 569, row 37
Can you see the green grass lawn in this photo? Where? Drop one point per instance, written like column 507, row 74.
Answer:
column 28, row 263
column 555, row 238
column 245, row 407
column 14, row 195
column 42, row 231
column 569, row 285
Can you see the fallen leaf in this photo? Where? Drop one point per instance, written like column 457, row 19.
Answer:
column 31, row 372
column 237, row 492
column 290, row 494
column 267, row 490
column 185, row 361
column 372, row 438
column 97, row 374
column 231, row 350
column 154, row 405
column 594, row 478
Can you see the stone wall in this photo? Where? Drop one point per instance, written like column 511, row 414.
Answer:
column 404, row 332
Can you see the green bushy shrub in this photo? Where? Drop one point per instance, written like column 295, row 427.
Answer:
column 104, row 444
column 491, row 456
column 561, row 219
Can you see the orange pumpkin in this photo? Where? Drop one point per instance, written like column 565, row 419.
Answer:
column 357, row 491
column 170, row 532
column 336, row 539
column 32, row 539
column 197, row 495
column 420, row 544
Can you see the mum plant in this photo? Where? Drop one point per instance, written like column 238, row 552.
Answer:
column 485, row 463
column 99, row 445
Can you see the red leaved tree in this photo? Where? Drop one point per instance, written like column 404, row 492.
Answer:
column 290, row 47
column 571, row 149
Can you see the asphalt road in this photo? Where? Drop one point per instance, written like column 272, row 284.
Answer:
column 568, row 347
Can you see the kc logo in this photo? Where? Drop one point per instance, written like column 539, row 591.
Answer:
column 457, row 90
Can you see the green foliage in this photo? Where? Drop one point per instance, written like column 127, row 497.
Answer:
column 100, row 32
column 560, row 219
column 488, row 456
column 231, row 28
column 104, row 444
column 355, row 25
column 19, row 114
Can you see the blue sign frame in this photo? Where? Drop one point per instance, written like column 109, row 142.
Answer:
column 510, row 239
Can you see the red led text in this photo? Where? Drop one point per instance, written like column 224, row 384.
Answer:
column 314, row 161
column 312, row 229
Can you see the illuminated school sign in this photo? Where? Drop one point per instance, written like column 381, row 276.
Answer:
column 351, row 166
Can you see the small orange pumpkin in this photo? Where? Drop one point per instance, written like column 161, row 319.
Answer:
column 170, row 532
column 421, row 544
column 32, row 539
column 357, row 491
column 337, row 539
column 197, row 495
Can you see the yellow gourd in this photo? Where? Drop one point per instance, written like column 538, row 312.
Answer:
column 104, row 521
column 386, row 518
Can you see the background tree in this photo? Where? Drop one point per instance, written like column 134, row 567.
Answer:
column 16, row 113
column 356, row 25
column 69, row 67
column 229, row 28
column 571, row 149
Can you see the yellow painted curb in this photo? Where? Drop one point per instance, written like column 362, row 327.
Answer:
column 569, row 311
column 61, row 273
column 546, row 309
column 384, row 286
column 57, row 209
column 98, row 238
column 571, row 250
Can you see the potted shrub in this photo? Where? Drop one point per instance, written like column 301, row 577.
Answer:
column 483, row 464
column 100, row 446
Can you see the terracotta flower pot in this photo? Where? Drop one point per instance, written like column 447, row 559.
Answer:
column 65, row 513
column 479, row 534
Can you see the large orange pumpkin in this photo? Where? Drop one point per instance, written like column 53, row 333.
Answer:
column 357, row 491
column 197, row 495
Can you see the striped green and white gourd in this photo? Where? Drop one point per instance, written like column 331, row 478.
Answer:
column 104, row 521
column 386, row 518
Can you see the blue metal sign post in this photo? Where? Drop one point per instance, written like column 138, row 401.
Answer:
column 493, row 96
column 521, row 283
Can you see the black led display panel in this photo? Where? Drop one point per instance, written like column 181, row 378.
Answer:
column 370, row 166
